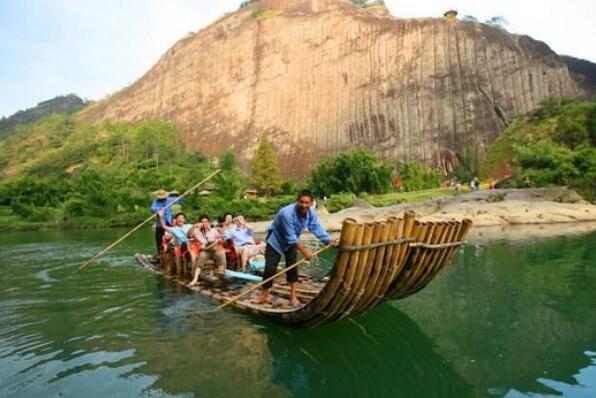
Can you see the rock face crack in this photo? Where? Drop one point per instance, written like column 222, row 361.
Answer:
column 320, row 77
column 496, row 108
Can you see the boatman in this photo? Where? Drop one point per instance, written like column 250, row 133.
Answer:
column 163, row 200
column 283, row 239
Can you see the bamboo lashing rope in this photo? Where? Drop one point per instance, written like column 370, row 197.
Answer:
column 107, row 249
column 437, row 246
column 376, row 245
column 255, row 287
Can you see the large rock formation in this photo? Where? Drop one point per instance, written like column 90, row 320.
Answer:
column 322, row 76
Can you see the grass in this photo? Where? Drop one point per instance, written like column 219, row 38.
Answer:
column 260, row 15
column 395, row 198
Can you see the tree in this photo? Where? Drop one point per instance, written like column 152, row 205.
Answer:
column 468, row 167
column 354, row 172
column 469, row 18
column 265, row 172
column 418, row 176
column 227, row 160
column 498, row 22
column 230, row 182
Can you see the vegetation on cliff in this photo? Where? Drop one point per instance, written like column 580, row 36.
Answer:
column 61, row 104
column 60, row 173
column 556, row 145
column 57, row 173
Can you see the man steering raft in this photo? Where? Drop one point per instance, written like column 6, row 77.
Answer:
column 283, row 238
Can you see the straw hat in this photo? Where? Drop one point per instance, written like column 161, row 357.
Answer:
column 161, row 194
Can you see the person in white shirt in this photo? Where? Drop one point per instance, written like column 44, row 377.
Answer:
column 241, row 236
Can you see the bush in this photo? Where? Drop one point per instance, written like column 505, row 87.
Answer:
column 339, row 202
column 495, row 197
column 418, row 176
column 351, row 172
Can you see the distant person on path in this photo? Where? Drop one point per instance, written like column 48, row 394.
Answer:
column 162, row 201
column 476, row 183
column 283, row 239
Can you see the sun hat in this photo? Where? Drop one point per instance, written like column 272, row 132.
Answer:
column 161, row 194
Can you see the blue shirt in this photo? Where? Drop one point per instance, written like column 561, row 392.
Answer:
column 288, row 225
column 158, row 204
column 180, row 233
column 240, row 236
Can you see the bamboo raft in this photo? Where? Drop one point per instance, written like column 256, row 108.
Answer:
column 376, row 262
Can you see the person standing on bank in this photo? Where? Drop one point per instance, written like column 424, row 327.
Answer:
column 163, row 201
column 283, row 239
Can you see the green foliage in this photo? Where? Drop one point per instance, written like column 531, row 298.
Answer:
column 227, row 160
column 419, row 176
column 368, row 3
column 339, row 202
column 552, row 146
column 230, row 184
column 265, row 172
column 246, row 3
column 230, row 181
column 251, row 208
column 265, row 14
column 468, row 167
column 496, row 197
column 66, row 175
column 291, row 187
column 354, row 171
column 498, row 22
column 62, row 104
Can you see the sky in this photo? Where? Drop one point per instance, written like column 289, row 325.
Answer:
column 95, row 47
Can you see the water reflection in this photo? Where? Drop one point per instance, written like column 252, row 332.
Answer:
column 383, row 354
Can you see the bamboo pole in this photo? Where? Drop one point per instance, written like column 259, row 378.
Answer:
column 362, row 267
column 258, row 285
column 110, row 247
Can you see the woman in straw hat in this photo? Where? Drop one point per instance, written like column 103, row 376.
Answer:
column 163, row 200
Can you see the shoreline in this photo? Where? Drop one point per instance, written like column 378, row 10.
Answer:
column 535, row 210
column 496, row 214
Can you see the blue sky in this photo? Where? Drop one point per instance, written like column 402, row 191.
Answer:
column 93, row 48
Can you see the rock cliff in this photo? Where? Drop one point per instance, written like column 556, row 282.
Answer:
column 322, row 76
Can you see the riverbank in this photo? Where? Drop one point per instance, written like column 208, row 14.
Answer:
column 489, row 209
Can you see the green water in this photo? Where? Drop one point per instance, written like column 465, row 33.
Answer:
column 504, row 320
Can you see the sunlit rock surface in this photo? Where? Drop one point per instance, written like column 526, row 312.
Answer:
column 323, row 76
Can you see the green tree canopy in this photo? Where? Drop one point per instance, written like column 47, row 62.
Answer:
column 418, row 176
column 265, row 172
column 354, row 171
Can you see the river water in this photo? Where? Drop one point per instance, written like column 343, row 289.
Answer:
column 503, row 320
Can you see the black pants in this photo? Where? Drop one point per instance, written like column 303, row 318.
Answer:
column 272, row 259
column 159, row 233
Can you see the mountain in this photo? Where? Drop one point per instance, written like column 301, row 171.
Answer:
column 60, row 104
column 322, row 76
column 584, row 72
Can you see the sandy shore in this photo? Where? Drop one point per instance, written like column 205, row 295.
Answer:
column 533, row 212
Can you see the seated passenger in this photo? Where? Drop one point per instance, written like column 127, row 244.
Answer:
column 211, row 248
column 179, row 229
column 224, row 223
column 242, row 237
